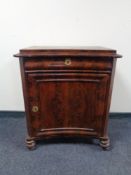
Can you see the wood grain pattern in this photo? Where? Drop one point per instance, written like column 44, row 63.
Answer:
column 67, row 100
column 58, row 63
column 89, row 51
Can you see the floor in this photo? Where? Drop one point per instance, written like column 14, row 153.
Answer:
column 60, row 157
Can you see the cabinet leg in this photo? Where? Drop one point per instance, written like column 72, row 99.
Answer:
column 30, row 143
column 105, row 143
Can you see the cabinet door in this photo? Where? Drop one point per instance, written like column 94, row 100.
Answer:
column 67, row 100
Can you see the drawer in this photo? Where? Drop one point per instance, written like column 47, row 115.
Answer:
column 68, row 63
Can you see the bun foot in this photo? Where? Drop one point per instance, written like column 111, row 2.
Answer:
column 30, row 143
column 105, row 143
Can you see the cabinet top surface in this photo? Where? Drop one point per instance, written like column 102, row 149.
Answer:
column 94, row 51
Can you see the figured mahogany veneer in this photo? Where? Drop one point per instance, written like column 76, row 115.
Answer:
column 67, row 91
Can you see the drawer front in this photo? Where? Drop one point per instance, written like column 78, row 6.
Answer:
column 68, row 63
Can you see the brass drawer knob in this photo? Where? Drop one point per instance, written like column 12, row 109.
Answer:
column 35, row 109
column 67, row 61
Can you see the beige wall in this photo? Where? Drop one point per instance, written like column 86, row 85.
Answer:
column 64, row 22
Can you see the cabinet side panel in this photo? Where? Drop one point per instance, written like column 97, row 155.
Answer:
column 108, row 99
column 25, row 95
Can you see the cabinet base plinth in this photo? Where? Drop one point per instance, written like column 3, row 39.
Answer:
column 104, row 141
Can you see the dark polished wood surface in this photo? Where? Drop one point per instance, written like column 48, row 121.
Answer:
column 67, row 92
column 91, row 51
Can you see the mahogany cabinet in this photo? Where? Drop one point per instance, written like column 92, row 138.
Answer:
column 67, row 91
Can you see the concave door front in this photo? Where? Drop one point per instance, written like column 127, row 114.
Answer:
column 68, row 101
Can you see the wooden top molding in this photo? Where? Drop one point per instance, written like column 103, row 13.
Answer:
column 91, row 51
